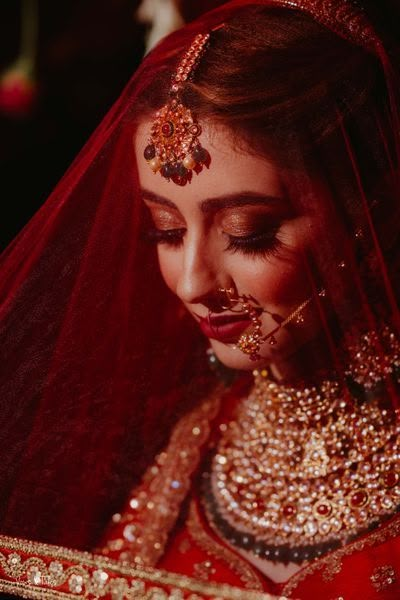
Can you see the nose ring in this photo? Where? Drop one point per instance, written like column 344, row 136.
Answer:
column 227, row 298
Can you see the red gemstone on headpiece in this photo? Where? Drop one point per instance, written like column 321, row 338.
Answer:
column 390, row 479
column 359, row 499
column 323, row 510
column 167, row 129
column 149, row 152
column 289, row 510
column 180, row 170
column 167, row 170
column 200, row 155
column 195, row 129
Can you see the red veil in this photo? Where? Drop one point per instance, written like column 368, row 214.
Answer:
column 98, row 359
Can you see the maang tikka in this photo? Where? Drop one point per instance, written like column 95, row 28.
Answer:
column 174, row 148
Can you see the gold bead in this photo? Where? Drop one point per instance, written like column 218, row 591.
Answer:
column 155, row 164
column 189, row 162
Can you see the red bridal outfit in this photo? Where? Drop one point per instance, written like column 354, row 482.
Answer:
column 129, row 468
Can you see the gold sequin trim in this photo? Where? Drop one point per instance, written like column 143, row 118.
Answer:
column 331, row 564
column 383, row 577
column 204, row 570
column 140, row 532
column 341, row 16
column 196, row 531
column 42, row 571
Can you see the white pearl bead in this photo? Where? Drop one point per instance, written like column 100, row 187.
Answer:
column 155, row 164
column 189, row 162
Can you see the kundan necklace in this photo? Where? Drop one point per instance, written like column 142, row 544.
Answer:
column 302, row 471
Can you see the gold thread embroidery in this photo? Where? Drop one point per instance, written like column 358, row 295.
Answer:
column 196, row 531
column 184, row 546
column 24, row 590
column 383, row 577
column 335, row 566
column 331, row 561
column 42, row 571
column 140, row 533
column 204, row 570
column 344, row 18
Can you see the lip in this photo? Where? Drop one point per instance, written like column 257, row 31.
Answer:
column 224, row 328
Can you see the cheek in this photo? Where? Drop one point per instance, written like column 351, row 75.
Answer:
column 170, row 265
column 274, row 282
column 281, row 279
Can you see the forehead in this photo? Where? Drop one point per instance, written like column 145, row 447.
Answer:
column 231, row 169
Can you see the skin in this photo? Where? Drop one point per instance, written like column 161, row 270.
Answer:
column 240, row 196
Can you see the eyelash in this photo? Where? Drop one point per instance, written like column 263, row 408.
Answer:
column 262, row 244
column 170, row 237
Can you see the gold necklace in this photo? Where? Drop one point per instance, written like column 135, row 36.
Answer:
column 299, row 472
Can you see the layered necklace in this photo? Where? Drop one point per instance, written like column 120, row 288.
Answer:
column 299, row 472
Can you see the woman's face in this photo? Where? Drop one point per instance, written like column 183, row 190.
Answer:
column 233, row 227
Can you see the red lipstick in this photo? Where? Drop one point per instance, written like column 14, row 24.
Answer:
column 224, row 328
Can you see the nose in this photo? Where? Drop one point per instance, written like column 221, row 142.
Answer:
column 199, row 275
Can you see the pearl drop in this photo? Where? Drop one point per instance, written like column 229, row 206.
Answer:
column 189, row 162
column 155, row 164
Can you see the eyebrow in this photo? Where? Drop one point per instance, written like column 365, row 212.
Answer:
column 217, row 203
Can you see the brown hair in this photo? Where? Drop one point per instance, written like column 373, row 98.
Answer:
column 285, row 85
column 264, row 70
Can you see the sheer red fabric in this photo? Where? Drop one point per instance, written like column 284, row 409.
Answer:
column 98, row 359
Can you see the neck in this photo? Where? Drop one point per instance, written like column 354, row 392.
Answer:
column 309, row 365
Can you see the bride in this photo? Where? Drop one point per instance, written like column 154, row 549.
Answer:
column 200, row 327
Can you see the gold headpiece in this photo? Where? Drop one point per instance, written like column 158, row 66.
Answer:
column 174, row 148
column 345, row 17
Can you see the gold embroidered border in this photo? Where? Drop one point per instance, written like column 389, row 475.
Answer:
column 220, row 552
column 331, row 564
column 25, row 591
column 165, row 485
column 345, row 18
column 35, row 570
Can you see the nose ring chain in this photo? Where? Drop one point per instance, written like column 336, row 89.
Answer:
column 250, row 343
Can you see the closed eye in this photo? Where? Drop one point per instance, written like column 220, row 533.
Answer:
column 259, row 244
column 170, row 237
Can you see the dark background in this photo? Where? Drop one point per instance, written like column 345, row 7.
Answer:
column 88, row 50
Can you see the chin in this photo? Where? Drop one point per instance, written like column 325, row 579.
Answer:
column 234, row 359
